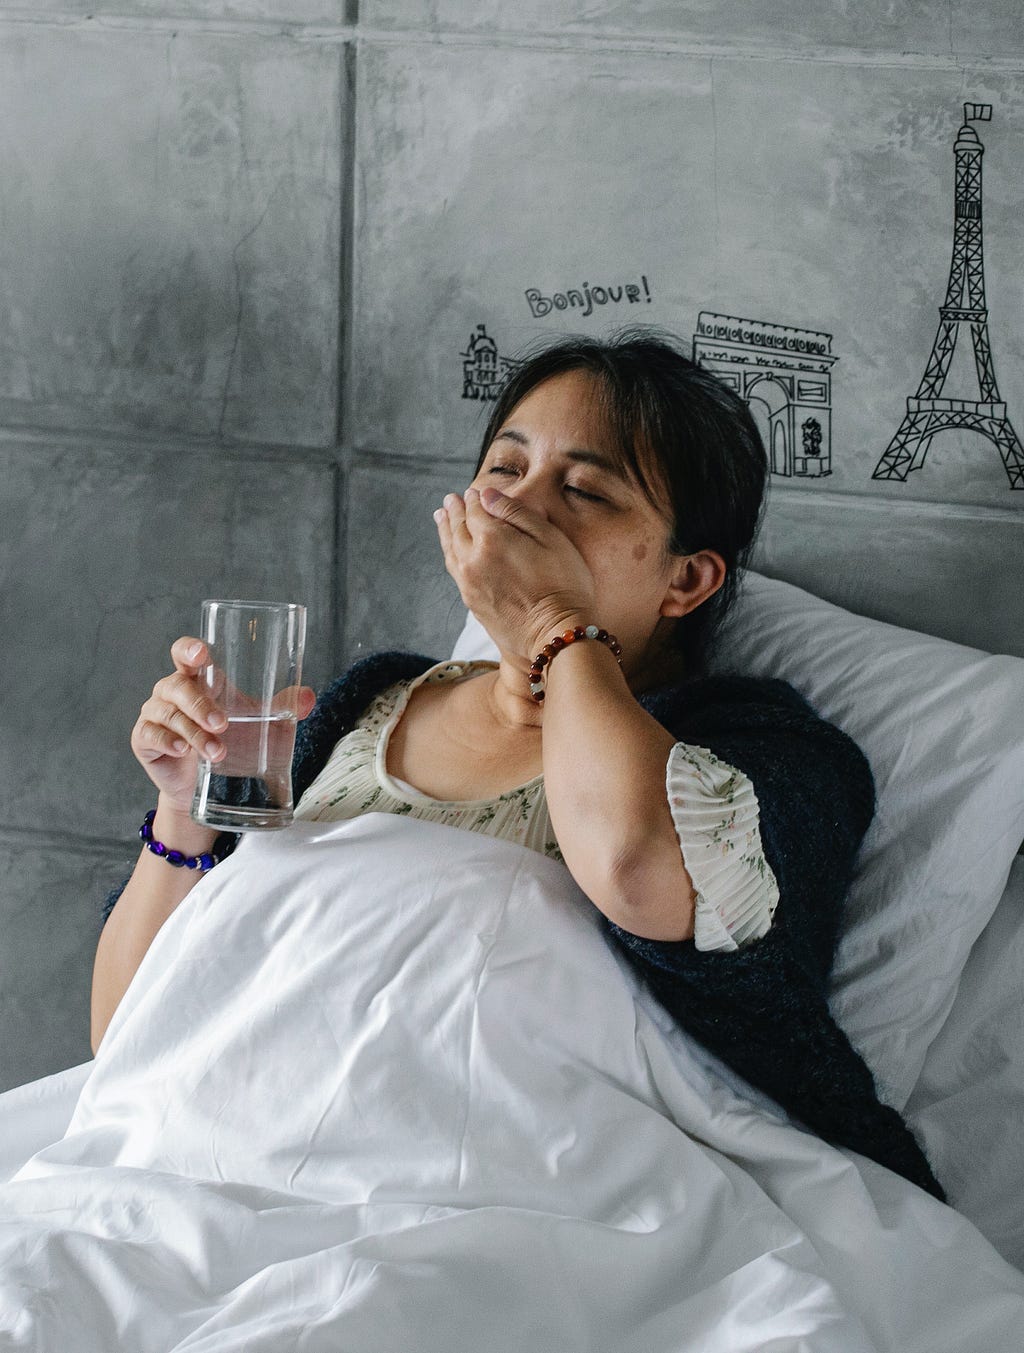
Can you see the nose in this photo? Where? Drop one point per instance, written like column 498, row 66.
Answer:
column 534, row 492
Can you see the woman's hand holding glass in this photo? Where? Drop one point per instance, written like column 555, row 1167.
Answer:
column 180, row 723
column 520, row 575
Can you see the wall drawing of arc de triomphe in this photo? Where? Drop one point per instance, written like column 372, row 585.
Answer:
column 785, row 375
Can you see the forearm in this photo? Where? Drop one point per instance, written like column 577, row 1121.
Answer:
column 604, row 774
column 150, row 896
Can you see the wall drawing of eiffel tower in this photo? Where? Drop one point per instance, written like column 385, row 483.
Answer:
column 927, row 411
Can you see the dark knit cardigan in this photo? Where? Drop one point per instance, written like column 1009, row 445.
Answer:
column 762, row 1009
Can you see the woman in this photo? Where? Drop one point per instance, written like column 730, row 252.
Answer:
column 713, row 820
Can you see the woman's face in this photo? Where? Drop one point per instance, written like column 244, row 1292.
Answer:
column 555, row 453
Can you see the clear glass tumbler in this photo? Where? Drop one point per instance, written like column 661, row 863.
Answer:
column 254, row 675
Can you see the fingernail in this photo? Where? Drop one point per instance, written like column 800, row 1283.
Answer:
column 439, row 514
column 212, row 748
column 193, row 652
column 218, row 721
column 472, row 493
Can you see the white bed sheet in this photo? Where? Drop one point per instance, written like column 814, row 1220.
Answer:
column 383, row 1085
column 968, row 1103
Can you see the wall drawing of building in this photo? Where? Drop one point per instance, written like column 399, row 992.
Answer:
column 785, row 375
column 483, row 368
column 929, row 410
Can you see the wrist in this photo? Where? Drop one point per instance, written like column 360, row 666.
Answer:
column 559, row 624
column 591, row 637
column 177, row 829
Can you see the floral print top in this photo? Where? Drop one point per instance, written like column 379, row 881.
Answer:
column 714, row 809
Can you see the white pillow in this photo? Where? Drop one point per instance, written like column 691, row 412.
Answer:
column 943, row 728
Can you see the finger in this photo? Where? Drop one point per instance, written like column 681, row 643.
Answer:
column 152, row 740
column 167, row 715
column 297, row 700
column 444, row 535
column 456, row 509
column 480, row 520
column 189, row 654
column 444, row 528
column 497, row 505
column 477, row 519
column 192, row 656
column 187, row 694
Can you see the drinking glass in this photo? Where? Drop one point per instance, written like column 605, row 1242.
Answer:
column 254, row 675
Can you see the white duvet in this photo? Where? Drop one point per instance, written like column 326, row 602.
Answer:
column 381, row 1086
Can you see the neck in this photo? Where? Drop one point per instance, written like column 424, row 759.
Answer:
column 508, row 698
column 506, row 692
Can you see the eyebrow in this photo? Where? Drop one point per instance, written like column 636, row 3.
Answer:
column 577, row 453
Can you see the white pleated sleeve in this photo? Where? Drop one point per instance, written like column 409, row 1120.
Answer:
column 717, row 820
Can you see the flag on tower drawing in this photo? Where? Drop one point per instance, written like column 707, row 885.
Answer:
column 928, row 412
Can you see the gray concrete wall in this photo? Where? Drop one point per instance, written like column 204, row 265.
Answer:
column 244, row 247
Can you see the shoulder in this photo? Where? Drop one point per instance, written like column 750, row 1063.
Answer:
column 815, row 796
column 754, row 706
column 369, row 676
column 340, row 704
column 745, row 699
column 767, row 729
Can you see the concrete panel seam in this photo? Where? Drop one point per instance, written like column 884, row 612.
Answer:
column 100, row 847
column 339, row 566
column 328, row 34
column 665, row 44
column 347, row 244
column 923, row 507
column 669, row 45
column 424, row 467
column 89, row 444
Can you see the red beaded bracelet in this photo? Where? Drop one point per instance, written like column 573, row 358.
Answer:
column 561, row 641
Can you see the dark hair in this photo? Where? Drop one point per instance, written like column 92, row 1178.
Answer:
column 679, row 431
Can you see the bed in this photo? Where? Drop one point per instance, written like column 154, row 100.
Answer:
column 490, row 1135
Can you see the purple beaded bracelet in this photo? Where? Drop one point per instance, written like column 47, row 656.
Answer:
column 175, row 857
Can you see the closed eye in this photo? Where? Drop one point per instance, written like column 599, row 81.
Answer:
column 569, row 488
column 582, row 493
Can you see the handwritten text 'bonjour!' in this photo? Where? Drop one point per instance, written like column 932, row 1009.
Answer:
column 587, row 298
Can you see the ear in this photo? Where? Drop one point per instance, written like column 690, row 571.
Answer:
column 696, row 577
